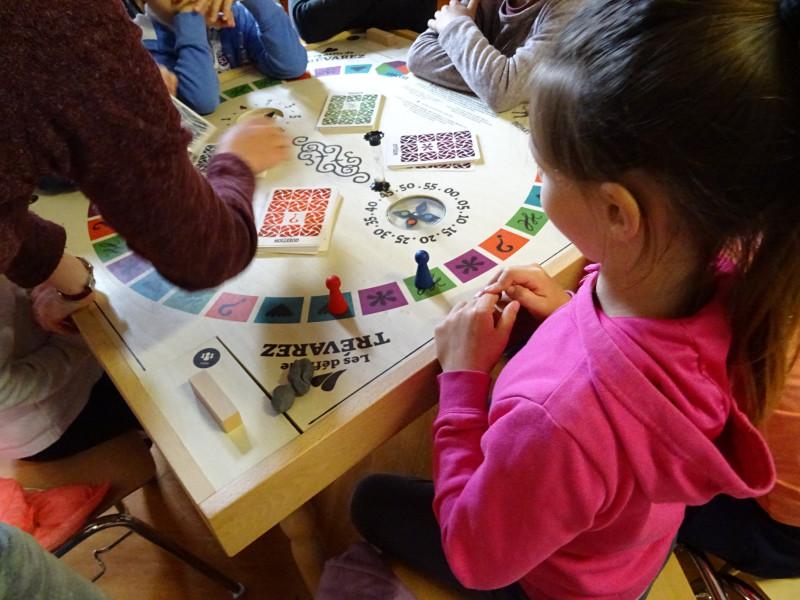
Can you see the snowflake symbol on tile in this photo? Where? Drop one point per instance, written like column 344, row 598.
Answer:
column 427, row 147
column 381, row 298
column 468, row 265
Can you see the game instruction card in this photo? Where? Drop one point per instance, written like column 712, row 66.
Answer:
column 298, row 220
column 350, row 113
column 443, row 147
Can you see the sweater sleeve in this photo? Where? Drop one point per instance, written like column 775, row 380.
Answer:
column 270, row 39
column 40, row 245
column 429, row 61
column 122, row 143
column 193, row 64
column 499, row 80
column 518, row 488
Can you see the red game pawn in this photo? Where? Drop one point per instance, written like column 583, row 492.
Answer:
column 337, row 304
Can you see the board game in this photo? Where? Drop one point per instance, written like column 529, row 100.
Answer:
column 471, row 218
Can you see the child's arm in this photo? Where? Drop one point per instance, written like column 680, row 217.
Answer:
column 185, row 51
column 429, row 61
column 198, row 85
column 499, row 80
column 270, row 39
column 30, row 378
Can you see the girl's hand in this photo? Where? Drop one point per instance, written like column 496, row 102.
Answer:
column 449, row 12
column 534, row 289
column 52, row 312
column 258, row 142
column 474, row 334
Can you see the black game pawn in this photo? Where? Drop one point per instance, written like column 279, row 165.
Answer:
column 423, row 279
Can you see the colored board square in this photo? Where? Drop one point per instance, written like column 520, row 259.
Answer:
column 381, row 298
column 357, row 69
column 99, row 228
column 280, row 310
column 153, row 286
column 326, row 71
column 528, row 221
column 239, row 90
column 318, row 311
column 503, row 243
column 470, row 265
column 538, row 178
column 305, row 75
column 266, row 82
column 129, row 267
column 191, row 302
column 232, row 307
column 535, row 197
column 395, row 68
column 441, row 284
column 110, row 248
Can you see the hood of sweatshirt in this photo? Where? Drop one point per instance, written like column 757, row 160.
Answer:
column 665, row 389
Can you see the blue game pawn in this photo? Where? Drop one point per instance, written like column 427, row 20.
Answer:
column 423, row 279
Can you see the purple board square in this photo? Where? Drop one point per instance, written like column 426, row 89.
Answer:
column 469, row 265
column 324, row 71
column 128, row 268
column 381, row 298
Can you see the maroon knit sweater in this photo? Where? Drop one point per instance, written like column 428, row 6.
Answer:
column 81, row 98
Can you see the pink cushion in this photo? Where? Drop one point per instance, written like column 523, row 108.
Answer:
column 51, row 516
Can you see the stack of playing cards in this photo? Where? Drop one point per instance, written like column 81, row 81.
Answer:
column 200, row 129
column 350, row 113
column 297, row 220
column 440, row 149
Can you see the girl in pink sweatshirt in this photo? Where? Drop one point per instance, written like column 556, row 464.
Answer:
column 668, row 138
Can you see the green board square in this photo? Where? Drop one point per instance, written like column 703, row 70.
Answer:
column 528, row 221
column 110, row 248
column 191, row 302
column 265, row 83
column 239, row 90
column 441, row 284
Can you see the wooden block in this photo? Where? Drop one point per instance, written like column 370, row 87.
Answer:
column 406, row 33
column 386, row 38
column 218, row 404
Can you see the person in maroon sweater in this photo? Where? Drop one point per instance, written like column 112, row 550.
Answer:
column 88, row 104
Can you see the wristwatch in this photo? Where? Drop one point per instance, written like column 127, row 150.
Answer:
column 88, row 288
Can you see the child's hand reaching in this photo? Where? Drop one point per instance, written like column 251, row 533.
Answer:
column 534, row 289
column 258, row 142
column 443, row 17
column 474, row 334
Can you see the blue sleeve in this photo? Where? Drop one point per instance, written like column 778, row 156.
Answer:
column 193, row 65
column 270, row 39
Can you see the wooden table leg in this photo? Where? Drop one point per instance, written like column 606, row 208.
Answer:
column 301, row 529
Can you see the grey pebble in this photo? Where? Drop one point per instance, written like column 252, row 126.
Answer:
column 282, row 398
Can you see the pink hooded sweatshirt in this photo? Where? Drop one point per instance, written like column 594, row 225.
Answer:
column 600, row 431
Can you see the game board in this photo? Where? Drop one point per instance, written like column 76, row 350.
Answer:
column 247, row 331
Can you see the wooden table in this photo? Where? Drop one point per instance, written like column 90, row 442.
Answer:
column 138, row 336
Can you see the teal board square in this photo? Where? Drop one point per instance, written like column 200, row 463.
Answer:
column 191, row 302
column 318, row 311
column 357, row 69
column 110, row 248
column 535, row 197
column 153, row 286
column 441, row 284
column 280, row 310
column 528, row 221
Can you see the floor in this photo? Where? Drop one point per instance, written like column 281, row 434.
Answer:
column 138, row 570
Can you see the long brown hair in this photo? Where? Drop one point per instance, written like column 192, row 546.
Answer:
column 703, row 95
